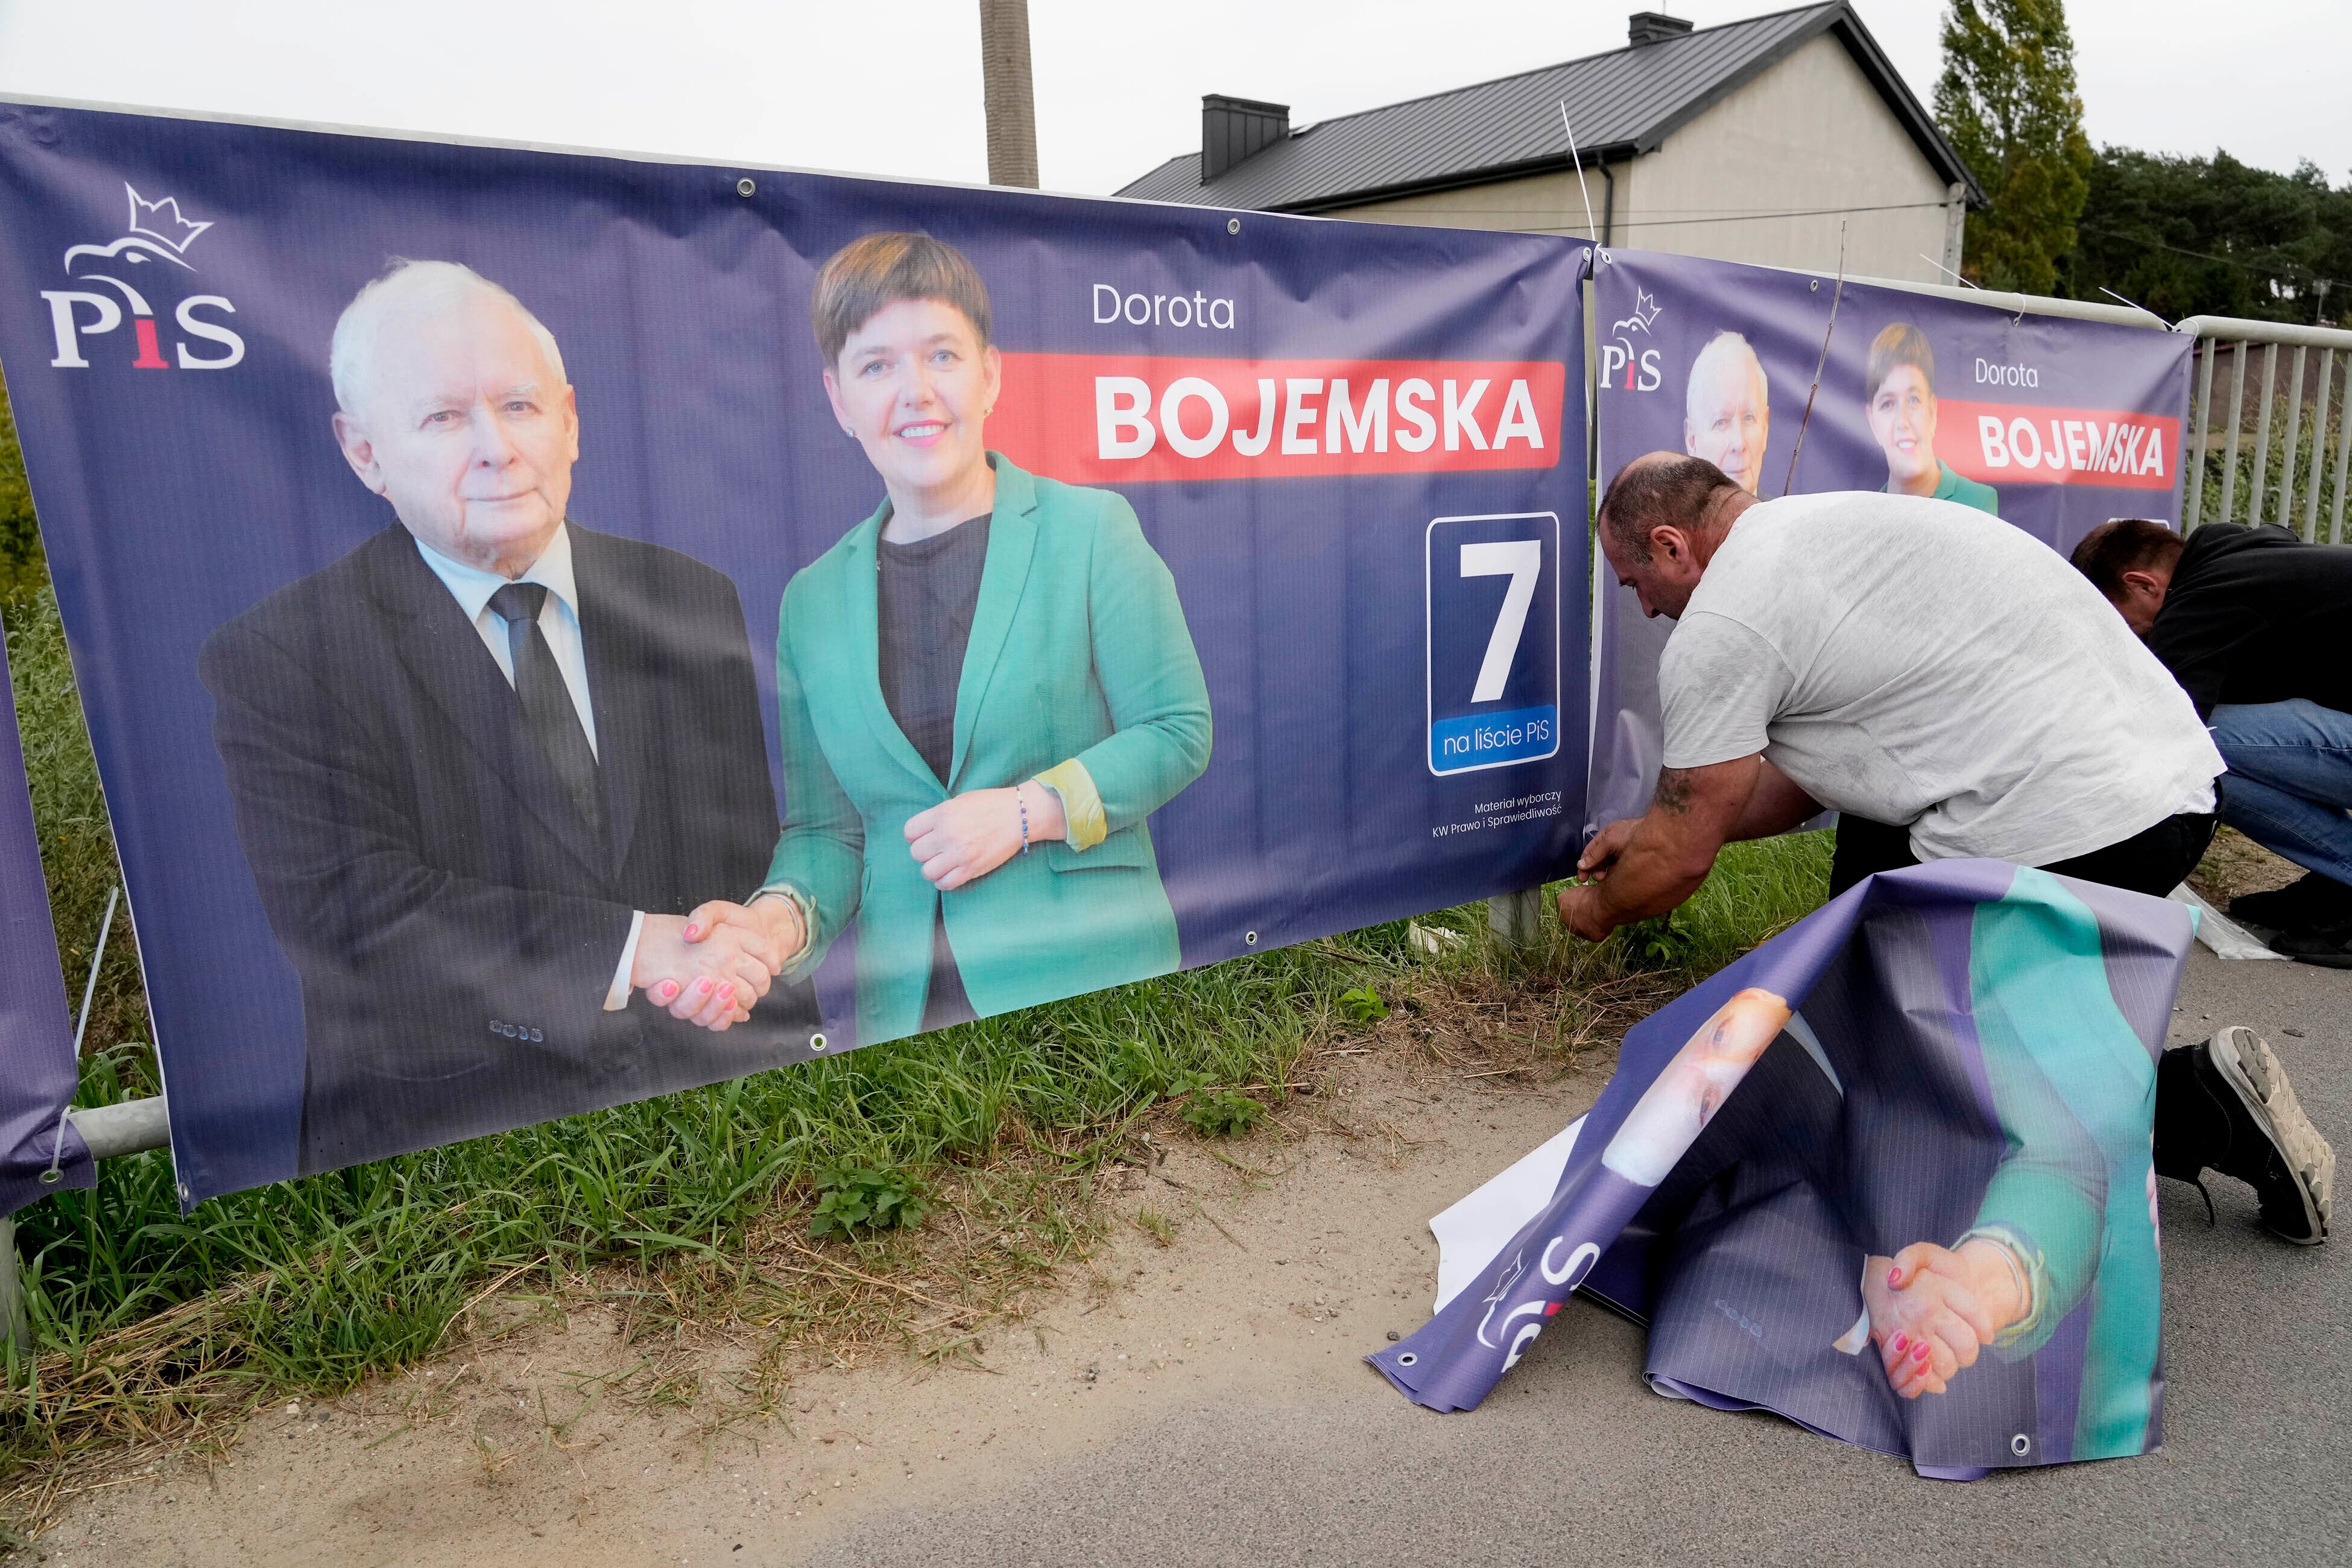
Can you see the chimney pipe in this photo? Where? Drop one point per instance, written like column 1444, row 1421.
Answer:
column 1653, row 27
column 1234, row 129
column 1005, row 84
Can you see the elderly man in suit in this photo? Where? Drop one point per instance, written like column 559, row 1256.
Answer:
column 489, row 764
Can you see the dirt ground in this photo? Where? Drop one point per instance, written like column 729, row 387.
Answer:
column 566, row 1444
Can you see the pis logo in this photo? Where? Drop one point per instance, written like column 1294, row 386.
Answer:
column 1639, row 367
column 156, row 233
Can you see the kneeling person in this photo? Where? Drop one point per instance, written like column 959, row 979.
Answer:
column 2247, row 619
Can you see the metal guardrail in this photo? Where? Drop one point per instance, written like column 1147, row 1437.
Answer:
column 2303, row 468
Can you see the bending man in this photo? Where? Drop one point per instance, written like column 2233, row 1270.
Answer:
column 1951, row 689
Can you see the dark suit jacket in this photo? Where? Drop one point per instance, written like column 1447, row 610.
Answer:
column 454, row 923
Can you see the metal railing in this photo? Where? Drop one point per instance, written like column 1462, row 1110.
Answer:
column 2284, row 480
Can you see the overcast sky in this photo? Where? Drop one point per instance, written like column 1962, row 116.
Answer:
column 895, row 89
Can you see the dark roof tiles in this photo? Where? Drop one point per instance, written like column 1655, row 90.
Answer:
column 1621, row 103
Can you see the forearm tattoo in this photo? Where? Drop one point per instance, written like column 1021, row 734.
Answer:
column 1674, row 792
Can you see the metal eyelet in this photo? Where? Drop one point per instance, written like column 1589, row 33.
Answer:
column 744, row 187
column 816, row 1042
column 1407, row 1359
column 1250, row 938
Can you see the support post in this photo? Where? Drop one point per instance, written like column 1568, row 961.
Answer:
column 1006, row 92
column 1516, row 919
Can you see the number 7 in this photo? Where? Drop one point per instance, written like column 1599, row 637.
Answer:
column 1522, row 560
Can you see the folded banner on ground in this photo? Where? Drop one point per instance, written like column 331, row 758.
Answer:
column 2052, row 423
column 1132, row 587
column 1944, row 1078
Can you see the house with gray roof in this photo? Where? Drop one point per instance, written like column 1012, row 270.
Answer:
column 1748, row 141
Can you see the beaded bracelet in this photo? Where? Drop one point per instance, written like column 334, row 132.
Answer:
column 1021, row 801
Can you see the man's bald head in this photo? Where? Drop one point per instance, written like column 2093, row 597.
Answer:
column 1660, row 523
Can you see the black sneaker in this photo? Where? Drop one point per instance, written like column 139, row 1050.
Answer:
column 2226, row 1106
column 2330, row 947
column 2314, row 901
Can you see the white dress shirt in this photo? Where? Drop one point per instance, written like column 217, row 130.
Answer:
column 558, row 623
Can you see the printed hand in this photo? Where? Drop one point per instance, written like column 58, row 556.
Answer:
column 1932, row 1310
column 776, row 922
column 712, row 981
column 964, row 838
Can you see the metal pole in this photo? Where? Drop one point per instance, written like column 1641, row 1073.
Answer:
column 2200, row 424
column 1516, row 919
column 2263, row 432
column 1006, row 89
column 2237, row 421
column 2343, row 452
column 2318, row 445
column 2294, row 439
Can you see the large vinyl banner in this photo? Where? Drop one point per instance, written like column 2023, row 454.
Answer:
column 1939, row 1084
column 2052, row 423
column 479, row 561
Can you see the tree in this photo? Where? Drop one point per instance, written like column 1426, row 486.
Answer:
column 2007, row 100
column 2213, row 237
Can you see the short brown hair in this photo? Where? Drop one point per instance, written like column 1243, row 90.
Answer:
column 2124, row 544
column 878, row 270
column 1664, row 489
column 1899, row 345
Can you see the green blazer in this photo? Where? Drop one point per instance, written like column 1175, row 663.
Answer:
column 1079, row 655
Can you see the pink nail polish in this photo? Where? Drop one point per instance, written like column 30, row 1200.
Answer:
column 692, row 932
column 1919, row 1350
column 1902, row 1343
column 668, row 989
column 1894, row 1276
column 702, row 986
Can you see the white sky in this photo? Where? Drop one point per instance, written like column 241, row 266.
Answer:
column 895, row 89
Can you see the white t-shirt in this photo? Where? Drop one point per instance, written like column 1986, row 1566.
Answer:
column 1917, row 661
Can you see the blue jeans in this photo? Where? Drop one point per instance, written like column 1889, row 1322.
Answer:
column 2290, row 780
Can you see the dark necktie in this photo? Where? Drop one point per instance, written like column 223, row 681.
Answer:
column 547, row 709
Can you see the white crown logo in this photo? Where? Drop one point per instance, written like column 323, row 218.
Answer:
column 1645, row 311
column 162, row 221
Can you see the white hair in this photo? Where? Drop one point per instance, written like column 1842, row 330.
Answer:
column 351, row 353
column 1719, row 348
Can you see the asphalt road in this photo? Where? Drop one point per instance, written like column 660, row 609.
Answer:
column 1573, row 1460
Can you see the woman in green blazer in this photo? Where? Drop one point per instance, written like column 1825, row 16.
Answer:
column 986, row 688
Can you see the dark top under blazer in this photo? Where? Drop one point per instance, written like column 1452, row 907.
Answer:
column 455, row 927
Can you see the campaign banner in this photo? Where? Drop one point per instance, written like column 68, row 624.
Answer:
column 559, row 628
column 1940, row 1085
column 40, row 1150
column 2052, row 423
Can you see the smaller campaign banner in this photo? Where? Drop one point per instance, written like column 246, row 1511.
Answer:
column 40, row 1151
column 2052, row 423
column 1947, row 1074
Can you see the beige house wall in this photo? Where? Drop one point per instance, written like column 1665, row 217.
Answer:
column 1810, row 134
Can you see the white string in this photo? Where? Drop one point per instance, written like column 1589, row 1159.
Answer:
column 88, row 990
column 1592, row 230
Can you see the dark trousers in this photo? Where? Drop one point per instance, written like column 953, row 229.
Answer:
column 2152, row 862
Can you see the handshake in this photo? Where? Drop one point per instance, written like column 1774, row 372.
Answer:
column 711, row 967
column 1932, row 1308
